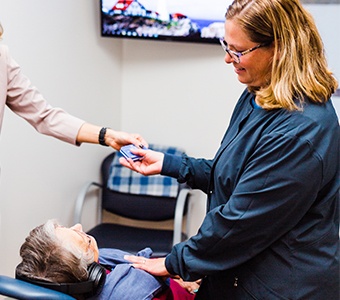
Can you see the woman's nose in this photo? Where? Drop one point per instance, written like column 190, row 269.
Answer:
column 228, row 59
column 78, row 227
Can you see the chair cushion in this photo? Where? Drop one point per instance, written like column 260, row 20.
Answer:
column 115, row 236
column 149, row 208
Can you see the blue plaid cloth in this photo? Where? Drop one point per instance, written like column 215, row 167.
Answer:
column 124, row 180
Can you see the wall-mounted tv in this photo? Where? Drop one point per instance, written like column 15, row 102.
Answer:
column 199, row 21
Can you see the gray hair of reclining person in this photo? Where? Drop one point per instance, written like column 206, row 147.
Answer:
column 48, row 257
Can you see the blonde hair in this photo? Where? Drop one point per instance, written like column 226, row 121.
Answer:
column 1, row 30
column 299, row 66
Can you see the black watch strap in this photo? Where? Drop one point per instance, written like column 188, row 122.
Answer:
column 101, row 137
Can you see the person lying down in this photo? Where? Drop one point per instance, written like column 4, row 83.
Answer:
column 68, row 260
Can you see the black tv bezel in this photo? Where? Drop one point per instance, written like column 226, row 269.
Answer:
column 158, row 38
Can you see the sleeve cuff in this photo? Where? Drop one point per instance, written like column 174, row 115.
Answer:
column 171, row 165
column 168, row 265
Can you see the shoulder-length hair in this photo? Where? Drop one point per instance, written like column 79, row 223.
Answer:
column 299, row 66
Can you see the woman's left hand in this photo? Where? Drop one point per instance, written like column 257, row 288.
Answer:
column 154, row 266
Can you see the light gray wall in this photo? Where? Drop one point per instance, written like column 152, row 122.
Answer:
column 172, row 93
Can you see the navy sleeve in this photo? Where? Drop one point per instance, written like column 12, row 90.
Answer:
column 195, row 172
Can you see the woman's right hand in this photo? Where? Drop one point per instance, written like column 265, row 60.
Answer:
column 191, row 286
column 150, row 164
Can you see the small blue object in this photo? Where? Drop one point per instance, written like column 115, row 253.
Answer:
column 126, row 152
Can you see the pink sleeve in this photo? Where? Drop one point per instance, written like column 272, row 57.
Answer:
column 27, row 102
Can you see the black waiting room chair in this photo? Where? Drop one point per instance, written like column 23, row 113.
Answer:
column 150, row 208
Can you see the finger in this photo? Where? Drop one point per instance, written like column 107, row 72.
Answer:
column 140, row 145
column 139, row 151
column 140, row 141
column 140, row 267
column 129, row 163
column 193, row 292
column 124, row 162
column 136, row 259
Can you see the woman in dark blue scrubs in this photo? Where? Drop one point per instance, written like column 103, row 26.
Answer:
column 272, row 225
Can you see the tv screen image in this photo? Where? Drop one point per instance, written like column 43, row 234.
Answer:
column 175, row 20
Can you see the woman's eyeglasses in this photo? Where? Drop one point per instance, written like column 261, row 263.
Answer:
column 236, row 56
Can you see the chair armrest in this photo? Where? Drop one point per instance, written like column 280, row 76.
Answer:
column 18, row 289
column 78, row 209
column 182, row 198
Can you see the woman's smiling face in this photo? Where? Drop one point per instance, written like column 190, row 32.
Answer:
column 254, row 68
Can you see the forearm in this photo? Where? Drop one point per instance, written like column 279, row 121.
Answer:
column 89, row 133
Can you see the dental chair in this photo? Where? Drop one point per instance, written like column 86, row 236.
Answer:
column 18, row 289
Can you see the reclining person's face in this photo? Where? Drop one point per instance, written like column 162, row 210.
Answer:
column 77, row 237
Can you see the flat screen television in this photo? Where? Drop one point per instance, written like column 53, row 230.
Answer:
column 197, row 21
